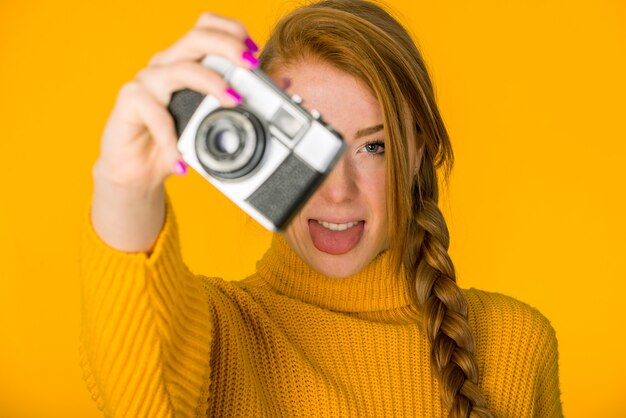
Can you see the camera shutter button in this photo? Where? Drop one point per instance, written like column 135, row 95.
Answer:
column 316, row 115
column 297, row 99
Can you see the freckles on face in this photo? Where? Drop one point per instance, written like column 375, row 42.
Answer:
column 344, row 225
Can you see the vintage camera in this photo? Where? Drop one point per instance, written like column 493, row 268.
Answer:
column 267, row 155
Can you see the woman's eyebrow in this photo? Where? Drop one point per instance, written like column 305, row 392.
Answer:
column 368, row 131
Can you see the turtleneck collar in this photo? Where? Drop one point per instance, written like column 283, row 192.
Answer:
column 375, row 288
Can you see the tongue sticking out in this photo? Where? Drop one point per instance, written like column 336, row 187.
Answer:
column 335, row 242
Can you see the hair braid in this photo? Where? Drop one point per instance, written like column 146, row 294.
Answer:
column 444, row 305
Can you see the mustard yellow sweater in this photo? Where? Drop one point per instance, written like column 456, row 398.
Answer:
column 159, row 341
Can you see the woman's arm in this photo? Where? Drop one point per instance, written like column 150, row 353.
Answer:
column 146, row 329
column 146, row 321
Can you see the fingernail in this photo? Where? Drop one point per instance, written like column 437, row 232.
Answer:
column 235, row 97
column 180, row 168
column 252, row 46
column 252, row 61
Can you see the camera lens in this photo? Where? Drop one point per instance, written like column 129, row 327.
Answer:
column 227, row 141
column 230, row 143
column 224, row 139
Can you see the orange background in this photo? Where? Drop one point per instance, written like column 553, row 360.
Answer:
column 533, row 96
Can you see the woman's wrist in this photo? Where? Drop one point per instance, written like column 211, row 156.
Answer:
column 126, row 218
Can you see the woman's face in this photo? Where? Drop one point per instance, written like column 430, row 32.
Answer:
column 344, row 225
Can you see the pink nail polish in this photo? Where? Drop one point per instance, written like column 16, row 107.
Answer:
column 236, row 97
column 180, row 168
column 252, row 61
column 251, row 45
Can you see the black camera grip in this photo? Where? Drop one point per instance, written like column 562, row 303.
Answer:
column 182, row 106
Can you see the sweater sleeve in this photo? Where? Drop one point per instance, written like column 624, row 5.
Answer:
column 547, row 395
column 517, row 354
column 146, row 328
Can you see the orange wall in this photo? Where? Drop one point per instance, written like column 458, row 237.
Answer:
column 533, row 96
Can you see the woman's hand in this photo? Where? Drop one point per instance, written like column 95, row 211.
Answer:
column 138, row 150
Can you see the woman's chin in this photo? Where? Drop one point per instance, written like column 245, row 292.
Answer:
column 338, row 269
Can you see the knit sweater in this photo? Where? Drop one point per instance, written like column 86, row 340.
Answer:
column 159, row 341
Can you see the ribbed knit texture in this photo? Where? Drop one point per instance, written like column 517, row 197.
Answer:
column 158, row 341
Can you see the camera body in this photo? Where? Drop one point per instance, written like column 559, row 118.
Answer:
column 267, row 155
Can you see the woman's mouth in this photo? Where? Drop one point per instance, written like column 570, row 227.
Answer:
column 335, row 238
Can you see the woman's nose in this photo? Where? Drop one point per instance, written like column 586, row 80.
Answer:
column 340, row 185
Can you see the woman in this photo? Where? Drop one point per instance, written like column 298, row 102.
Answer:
column 355, row 310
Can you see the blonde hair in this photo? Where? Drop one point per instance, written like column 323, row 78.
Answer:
column 363, row 40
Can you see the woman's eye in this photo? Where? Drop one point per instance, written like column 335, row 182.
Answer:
column 374, row 148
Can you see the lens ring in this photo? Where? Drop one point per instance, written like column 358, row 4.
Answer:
column 252, row 139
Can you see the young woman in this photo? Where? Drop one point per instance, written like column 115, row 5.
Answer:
column 354, row 311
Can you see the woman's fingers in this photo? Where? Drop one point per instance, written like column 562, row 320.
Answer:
column 224, row 24
column 163, row 81
column 200, row 42
column 140, row 140
column 137, row 107
column 234, row 27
